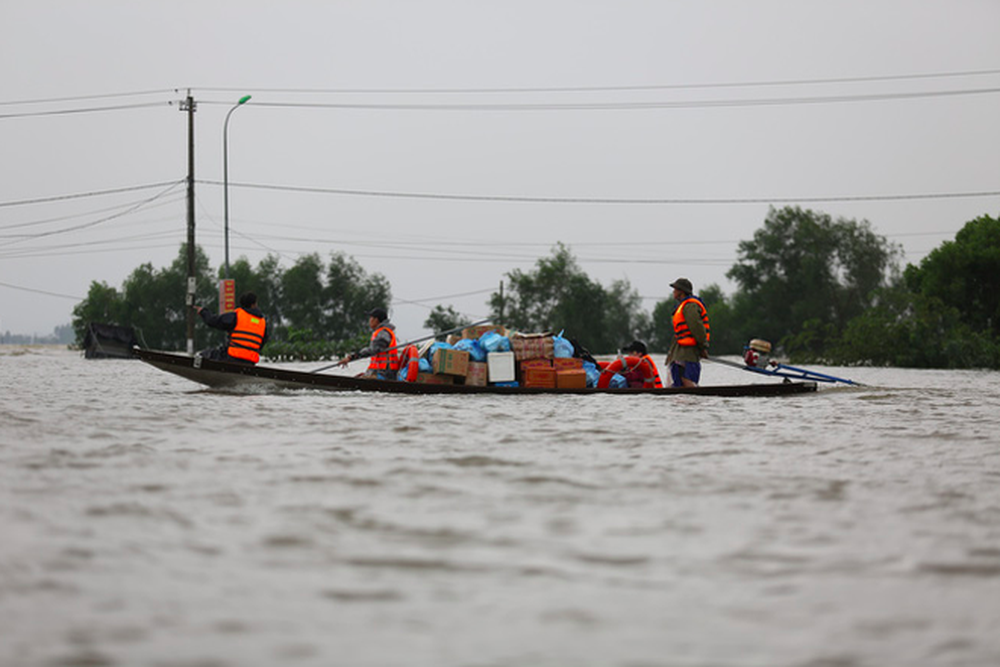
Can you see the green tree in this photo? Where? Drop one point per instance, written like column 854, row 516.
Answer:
column 965, row 273
column 912, row 330
column 445, row 319
column 942, row 314
column 102, row 305
column 803, row 266
column 153, row 301
column 301, row 289
column 350, row 293
column 559, row 296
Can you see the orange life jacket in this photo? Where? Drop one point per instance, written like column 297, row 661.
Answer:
column 681, row 329
column 246, row 339
column 642, row 367
column 385, row 361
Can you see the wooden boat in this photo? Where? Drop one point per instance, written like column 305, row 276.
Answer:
column 241, row 377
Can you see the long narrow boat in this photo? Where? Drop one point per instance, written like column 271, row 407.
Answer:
column 241, row 377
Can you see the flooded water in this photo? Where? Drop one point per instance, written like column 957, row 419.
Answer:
column 144, row 521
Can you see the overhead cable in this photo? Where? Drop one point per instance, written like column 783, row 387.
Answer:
column 95, row 193
column 81, row 98
column 66, row 112
column 607, row 200
column 620, row 88
column 609, row 106
column 38, row 291
column 99, row 221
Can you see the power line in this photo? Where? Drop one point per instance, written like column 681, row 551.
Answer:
column 94, row 193
column 621, row 88
column 81, row 98
column 45, row 221
column 38, row 291
column 94, row 223
column 607, row 200
column 68, row 112
column 609, row 106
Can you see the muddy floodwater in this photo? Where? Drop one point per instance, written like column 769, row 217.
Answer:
column 146, row 521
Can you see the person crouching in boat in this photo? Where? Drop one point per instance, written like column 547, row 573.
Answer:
column 636, row 366
column 691, row 336
column 247, row 329
column 382, row 350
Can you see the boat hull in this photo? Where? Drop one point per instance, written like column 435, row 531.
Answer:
column 227, row 375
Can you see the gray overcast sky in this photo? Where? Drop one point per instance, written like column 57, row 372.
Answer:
column 612, row 100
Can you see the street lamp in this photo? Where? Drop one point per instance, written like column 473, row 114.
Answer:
column 225, row 173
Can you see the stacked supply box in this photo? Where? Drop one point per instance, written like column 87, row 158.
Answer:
column 451, row 362
column 500, row 367
column 539, row 376
column 537, row 373
column 570, row 373
column 571, row 379
column 477, row 374
column 532, row 346
column 431, row 378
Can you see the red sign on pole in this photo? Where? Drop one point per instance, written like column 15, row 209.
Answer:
column 227, row 295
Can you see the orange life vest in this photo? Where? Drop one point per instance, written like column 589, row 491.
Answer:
column 385, row 361
column 644, row 367
column 681, row 329
column 246, row 339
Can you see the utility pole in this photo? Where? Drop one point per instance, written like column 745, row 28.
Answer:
column 500, row 322
column 190, row 106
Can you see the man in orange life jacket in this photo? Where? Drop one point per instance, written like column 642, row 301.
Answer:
column 382, row 349
column 691, row 336
column 247, row 329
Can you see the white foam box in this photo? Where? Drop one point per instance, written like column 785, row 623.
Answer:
column 500, row 366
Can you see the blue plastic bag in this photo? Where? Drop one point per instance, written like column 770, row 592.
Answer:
column 593, row 373
column 423, row 366
column 472, row 346
column 561, row 348
column 618, row 381
column 491, row 341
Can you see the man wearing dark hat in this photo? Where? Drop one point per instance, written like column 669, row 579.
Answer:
column 247, row 327
column 691, row 336
column 382, row 349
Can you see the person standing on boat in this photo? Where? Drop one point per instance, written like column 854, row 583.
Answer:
column 382, row 350
column 691, row 336
column 247, row 329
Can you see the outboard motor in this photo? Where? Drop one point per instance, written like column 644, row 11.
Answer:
column 757, row 353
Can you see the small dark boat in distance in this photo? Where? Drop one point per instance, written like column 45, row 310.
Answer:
column 242, row 377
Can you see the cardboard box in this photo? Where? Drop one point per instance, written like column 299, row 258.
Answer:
column 477, row 331
column 539, row 376
column 532, row 346
column 568, row 364
column 451, row 362
column 571, row 379
column 534, row 363
column 500, row 367
column 431, row 378
column 476, row 376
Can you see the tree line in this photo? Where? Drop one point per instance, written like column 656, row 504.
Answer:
column 820, row 289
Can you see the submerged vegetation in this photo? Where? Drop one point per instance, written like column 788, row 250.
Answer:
column 822, row 290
